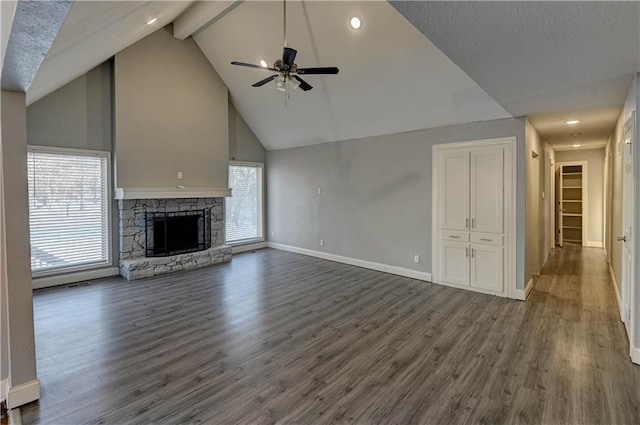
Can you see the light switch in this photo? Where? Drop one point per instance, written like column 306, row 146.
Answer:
column 180, row 175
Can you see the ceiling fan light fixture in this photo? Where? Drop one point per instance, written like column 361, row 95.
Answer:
column 281, row 84
column 294, row 83
column 355, row 22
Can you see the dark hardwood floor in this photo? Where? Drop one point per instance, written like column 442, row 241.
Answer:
column 275, row 337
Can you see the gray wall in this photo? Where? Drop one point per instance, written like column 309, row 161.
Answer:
column 243, row 144
column 595, row 187
column 78, row 115
column 376, row 194
column 170, row 115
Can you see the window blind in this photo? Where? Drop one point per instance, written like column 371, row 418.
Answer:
column 68, row 210
column 244, row 208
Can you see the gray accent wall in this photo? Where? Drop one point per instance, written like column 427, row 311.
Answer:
column 595, row 188
column 171, row 114
column 78, row 115
column 376, row 195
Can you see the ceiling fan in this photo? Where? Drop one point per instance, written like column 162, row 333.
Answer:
column 287, row 70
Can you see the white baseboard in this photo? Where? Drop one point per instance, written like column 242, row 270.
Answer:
column 237, row 249
column 618, row 298
column 63, row 279
column 23, row 394
column 595, row 244
column 400, row 271
column 635, row 355
column 523, row 294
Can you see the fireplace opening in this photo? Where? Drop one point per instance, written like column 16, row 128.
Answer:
column 171, row 233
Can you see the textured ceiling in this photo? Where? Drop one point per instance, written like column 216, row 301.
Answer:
column 550, row 61
column 34, row 29
column 538, row 57
column 392, row 79
column 93, row 32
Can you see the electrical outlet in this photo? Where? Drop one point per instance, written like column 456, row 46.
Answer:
column 273, row 234
column 321, row 242
column 319, row 191
column 416, row 258
column 180, row 175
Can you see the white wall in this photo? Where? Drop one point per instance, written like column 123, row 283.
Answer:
column 595, row 190
column 376, row 194
column 170, row 115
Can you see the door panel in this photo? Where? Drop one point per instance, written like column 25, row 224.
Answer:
column 454, row 190
column 455, row 262
column 486, row 267
column 487, row 194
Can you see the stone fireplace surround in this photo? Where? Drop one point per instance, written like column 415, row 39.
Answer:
column 131, row 217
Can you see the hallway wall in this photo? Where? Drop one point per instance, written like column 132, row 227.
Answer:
column 595, row 190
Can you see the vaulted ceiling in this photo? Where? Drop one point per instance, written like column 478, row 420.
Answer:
column 411, row 65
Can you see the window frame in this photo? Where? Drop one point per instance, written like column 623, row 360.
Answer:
column 108, row 199
column 261, row 185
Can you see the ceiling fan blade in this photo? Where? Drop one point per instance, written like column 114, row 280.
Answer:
column 318, row 71
column 265, row 81
column 288, row 56
column 250, row 65
column 303, row 84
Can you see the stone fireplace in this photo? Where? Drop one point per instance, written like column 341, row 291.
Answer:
column 135, row 261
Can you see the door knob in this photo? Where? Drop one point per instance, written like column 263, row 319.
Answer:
column 621, row 238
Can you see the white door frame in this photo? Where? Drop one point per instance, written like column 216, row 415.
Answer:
column 627, row 290
column 585, row 195
column 510, row 213
column 551, row 191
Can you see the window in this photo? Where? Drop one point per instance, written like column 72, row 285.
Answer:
column 244, row 208
column 68, row 209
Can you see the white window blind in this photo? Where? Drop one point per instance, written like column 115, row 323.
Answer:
column 68, row 209
column 244, row 208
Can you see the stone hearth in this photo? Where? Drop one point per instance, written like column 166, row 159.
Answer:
column 133, row 261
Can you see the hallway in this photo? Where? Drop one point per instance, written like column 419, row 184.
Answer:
column 276, row 337
column 583, row 362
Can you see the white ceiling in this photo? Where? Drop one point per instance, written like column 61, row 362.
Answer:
column 392, row 79
column 592, row 132
column 546, row 60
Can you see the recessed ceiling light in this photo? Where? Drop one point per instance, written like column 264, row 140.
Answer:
column 572, row 122
column 355, row 22
column 152, row 20
column 263, row 63
column 576, row 145
column 576, row 134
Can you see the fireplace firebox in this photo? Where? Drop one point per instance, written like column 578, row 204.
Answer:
column 172, row 233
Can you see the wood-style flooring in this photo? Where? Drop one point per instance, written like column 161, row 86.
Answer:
column 281, row 338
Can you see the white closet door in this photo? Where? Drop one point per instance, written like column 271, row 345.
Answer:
column 455, row 262
column 487, row 195
column 454, row 189
column 486, row 267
